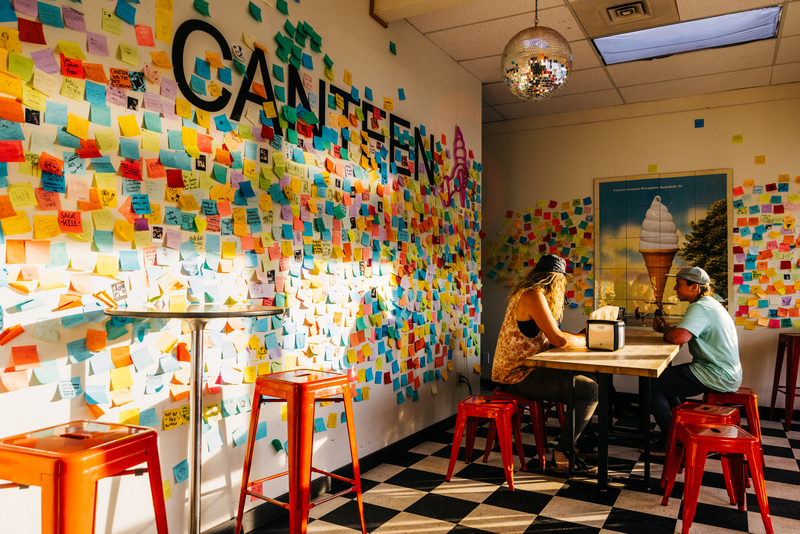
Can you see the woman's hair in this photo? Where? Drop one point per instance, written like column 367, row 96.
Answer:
column 552, row 285
column 704, row 290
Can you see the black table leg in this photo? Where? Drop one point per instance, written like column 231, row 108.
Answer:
column 571, row 421
column 644, row 392
column 602, row 418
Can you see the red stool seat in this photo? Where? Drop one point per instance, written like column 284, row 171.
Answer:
column 694, row 413
column 742, row 397
column 734, row 444
column 67, row 460
column 300, row 389
column 787, row 344
column 538, row 423
column 503, row 413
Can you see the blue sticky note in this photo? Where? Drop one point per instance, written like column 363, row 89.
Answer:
column 222, row 123
column 368, row 95
column 319, row 425
column 99, row 115
column 203, row 68
column 101, row 363
column 51, row 15
column 181, row 471
column 699, row 123
column 95, row 93
column 277, row 70
column 7, row 12
column 240, row 436
column 140, row 204
column 142, row 358
column 55, row 113
column 70, row 388
column 308, row 63
column 198, row 85
column 77, row 351
column 261, row 430
column 280, row 92
column 169, row 364
column 54, row 183
column 47, row 372
column 401, row 94
column 224, row 75
column 129, row 260
column 12, row 131
column 152, row 121
column 126, row 12
column 129, row 148
column 148, row 418
column 97, row 394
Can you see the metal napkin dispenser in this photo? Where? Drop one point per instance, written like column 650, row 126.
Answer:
column 605, row 335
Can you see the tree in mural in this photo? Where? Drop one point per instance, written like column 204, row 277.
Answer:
column 707, row 245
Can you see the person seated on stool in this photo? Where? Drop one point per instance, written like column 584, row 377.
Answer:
column 711, row 334
column 531, row 325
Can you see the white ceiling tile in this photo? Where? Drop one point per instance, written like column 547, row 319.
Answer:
column 585, row 81
column 790, row 20
column 694, row 9
column 474, row 12
column 498, row 93
column 732, row 58
column 490, row 38
column 789, row 50
column 584, row 55
column 786, row 73
column 486, row 69
column 491, row 115
column 699, row 85
column 561, row 104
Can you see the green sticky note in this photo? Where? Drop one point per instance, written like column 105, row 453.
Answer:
column 21, row 66
column 255, row 11
column 276, row 444
column 202, row 7
column 393, row 47
column 328, row 61
column 290, row 114
column 291, row 136
column 283, row 7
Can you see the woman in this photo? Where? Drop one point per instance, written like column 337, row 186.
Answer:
column 531, row 325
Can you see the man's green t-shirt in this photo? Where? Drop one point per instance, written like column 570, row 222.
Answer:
column 715, row 345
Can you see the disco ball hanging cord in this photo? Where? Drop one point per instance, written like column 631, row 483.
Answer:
column 536, row 62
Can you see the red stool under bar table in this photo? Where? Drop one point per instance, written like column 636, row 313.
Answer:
column 742, row 397
column 787, row 343
column 67, row 460
column 301, row 389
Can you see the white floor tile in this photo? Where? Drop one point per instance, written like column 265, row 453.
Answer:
column 499, row 520
column 582, row 513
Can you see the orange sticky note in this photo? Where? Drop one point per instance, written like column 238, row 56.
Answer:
column 95, row 339
column 178, row 391
column 121, row 356
column 25, row 357
column 15, row 251
column 13, row 380
column 10, row 333
column 65, row 302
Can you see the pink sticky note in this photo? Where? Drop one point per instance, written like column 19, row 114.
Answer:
column 73, row 20
column 45, row 61
column 27, row 7
column 169, row 88
column 96, row 44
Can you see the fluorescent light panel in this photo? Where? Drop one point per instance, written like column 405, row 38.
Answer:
column 713, row 32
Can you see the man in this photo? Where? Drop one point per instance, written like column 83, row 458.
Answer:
column 713, row 344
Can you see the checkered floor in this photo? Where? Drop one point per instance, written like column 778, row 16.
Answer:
column 409, row 494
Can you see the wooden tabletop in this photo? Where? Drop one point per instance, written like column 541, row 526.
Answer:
column 645, row 354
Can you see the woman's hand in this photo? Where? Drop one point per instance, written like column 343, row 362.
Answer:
column 533, row 305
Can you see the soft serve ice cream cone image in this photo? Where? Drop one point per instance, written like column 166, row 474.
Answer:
column 658, row 243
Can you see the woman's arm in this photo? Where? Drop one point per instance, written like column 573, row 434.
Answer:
column 533, row 305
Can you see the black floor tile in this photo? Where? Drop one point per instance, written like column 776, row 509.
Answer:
column 415, row 479
column 773, row 432
column 777, row 507
column 722, row 517
column 782, row 475
column 483, row 473
column 347, row 516
column 582, row 491
column 519, row 500
column 630, row 522
column 781, row 452
column 406, row 459
column 462, row 529
column 547, row 524
column 442, row 507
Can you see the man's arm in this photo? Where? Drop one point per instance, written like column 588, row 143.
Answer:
column 672, row 334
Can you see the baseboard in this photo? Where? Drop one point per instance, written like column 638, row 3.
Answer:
column 266, row 512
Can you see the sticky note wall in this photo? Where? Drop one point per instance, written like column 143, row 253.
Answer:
column 200, row 154
column 766, row 273
column 565, row 229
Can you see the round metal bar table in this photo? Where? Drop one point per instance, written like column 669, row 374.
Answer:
column 196, row 316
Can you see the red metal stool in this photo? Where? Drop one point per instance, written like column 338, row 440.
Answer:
column 537, row 422
column 502, row 412
column 559, row 412
column 733, row 443
column 787, row 343
column 300, row 389
column 694, row 413
column 742, row 397
column 67, row 460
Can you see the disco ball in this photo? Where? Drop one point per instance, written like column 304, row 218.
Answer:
column 536, row 63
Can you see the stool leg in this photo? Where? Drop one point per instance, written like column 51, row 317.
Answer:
column 737, row 473
column 777, row 378
column 301, row 444
column 670, row 448
column 248, row 459
column 539, row 431
column 518, row 439
column 351, row 432
column 791, row 382
column 78, row 498
column 560, row 412
column 504, row 435
column 489, row 441
column 461, row 419
column 695, row 465
column 754, row 423
column 675, row 461
column 49, row 505
column 731, row 476
column 472, row 431
column 157, row 488
column 760, row 487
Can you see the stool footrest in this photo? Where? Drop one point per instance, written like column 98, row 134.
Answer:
column 268, row 499
column 337, row 477
column 135, row 472
column 13, row 485
column 331, row 497
column 271, row 477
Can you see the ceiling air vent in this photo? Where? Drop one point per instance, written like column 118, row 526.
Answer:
column 628, row 12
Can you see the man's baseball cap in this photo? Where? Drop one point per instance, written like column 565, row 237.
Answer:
column 550, row 263
column 695, row 275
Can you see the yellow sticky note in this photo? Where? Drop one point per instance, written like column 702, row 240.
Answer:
column 738, row 139
column 189, row 136
column 652, row 168
column 161, row 59
column 177, row 303
column 107, row 265
column 34, row 99
column 129, row 126
column 22, row 195
column 71, row 50
column 167, row 489
column 78, row 126
column 166, row 342
column 129, row 417
column 102, row 219
column 228, row 250
column 121, row 378
column 151, row 141
column 129, row 54
column 203, row 116
column 16, row 224
column 388, row 104
column 106, row 140
column 183, row 108
column 761, row 160
column 73, row 88
column 45, row 226
column 123, row 230
column 11, row 84
column 111, row 22
column 164, row 27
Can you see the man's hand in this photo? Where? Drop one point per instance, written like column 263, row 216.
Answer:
column 659, row 324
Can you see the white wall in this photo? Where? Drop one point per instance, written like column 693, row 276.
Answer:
column 559, row 156
column 440, row 94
